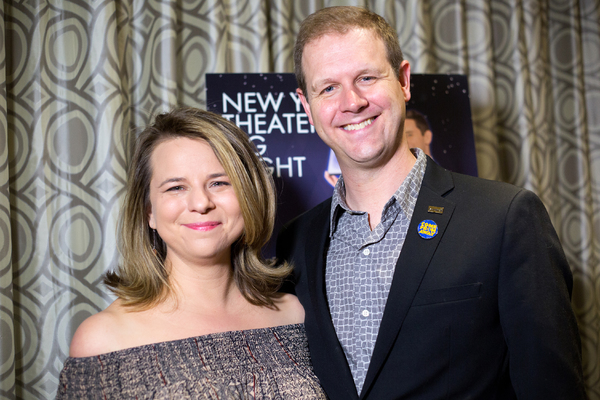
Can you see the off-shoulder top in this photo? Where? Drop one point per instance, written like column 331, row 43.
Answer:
column 266, row 363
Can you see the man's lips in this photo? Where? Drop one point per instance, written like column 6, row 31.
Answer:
column 203, row 226
column 361, row 125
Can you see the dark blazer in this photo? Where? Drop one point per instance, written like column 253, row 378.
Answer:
column 480, row 311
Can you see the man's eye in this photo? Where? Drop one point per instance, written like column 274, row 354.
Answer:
column 328, row 89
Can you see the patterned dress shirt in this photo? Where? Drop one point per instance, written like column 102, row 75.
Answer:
column 360, row 266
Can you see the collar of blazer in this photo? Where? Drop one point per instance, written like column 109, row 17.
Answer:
column 412, row 264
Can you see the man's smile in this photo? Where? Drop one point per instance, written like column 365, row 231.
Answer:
column 355, row 127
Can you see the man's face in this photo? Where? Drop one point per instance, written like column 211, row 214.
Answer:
column 353, row 97
column 415, row 137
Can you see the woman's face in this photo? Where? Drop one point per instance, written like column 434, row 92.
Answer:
column 193, row 205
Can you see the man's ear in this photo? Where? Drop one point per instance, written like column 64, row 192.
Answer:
column 404, row 79
column 428, row 136
column 305, row 105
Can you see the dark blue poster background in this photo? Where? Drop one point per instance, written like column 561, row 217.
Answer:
column 444, row 100
column 267, row 108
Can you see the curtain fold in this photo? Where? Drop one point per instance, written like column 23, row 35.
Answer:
column 7, row 328
column 78, row 79
column 66, row 115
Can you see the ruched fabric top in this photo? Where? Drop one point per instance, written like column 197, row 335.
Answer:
column 266, row 363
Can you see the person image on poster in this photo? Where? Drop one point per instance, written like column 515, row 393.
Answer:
column 417, row 131
column 418, row 282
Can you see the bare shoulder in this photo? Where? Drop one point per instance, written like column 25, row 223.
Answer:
column 290, row 309
column 99, row 333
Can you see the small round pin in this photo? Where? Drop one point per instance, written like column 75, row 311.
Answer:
column 427, row 229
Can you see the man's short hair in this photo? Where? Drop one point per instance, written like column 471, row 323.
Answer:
column 420, row 120
column 340, row 20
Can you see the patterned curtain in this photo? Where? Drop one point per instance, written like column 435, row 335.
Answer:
column 78, row 77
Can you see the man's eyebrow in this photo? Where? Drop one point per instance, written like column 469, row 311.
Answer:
column 328, row 81
column 315, row 87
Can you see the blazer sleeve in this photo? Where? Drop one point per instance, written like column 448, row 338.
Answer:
column 534, row 292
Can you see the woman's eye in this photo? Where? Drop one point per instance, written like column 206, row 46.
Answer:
column 219, row 183
column 174, row 188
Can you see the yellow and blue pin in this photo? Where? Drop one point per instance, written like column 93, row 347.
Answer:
column 428, row 229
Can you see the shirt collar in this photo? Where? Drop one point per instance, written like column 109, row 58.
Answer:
column 409, row 188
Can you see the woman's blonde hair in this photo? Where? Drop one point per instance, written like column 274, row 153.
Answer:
column 141, row 280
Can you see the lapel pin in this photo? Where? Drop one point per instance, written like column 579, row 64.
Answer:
column 427, row 229
column 435, row 210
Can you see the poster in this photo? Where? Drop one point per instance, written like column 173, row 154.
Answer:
column 266, row 107
column 444, row 100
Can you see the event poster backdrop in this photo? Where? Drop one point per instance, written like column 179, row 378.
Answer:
column 267, row 108
column 444, row 100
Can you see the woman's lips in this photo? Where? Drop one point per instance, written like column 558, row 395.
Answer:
column 203, row 226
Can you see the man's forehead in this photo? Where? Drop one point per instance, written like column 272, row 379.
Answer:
column 410, row 123
column 334, row 34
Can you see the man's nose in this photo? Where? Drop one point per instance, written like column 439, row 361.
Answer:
column 353, row 100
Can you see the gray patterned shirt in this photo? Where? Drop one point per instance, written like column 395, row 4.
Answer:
column 360, row 266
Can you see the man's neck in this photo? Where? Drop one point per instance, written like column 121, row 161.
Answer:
column 370, row 189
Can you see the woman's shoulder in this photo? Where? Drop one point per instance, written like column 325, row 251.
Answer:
column 99, row 333
column 290, row 309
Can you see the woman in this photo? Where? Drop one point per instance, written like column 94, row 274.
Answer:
column 197, row 313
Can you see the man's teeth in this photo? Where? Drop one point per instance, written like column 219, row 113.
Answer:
column 354, row 127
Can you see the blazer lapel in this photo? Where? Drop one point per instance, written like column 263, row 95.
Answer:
column 412, row 264
column 315, row 256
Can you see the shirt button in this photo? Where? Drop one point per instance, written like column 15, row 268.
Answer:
column 366, row 252
column 365, row 313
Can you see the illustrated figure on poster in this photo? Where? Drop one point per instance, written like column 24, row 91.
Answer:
column 418, row 282
column 332, row 173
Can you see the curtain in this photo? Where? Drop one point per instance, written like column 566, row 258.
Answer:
column 79, row 78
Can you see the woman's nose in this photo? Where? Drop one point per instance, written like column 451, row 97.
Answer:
column 200, row 201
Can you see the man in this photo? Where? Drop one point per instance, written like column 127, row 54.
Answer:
column 417, row 131
column 418, row 283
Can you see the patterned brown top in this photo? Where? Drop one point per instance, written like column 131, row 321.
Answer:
column 266, row 363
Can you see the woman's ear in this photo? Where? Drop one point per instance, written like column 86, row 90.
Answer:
column 151, row 220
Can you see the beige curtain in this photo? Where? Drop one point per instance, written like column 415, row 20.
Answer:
column 76, row 76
